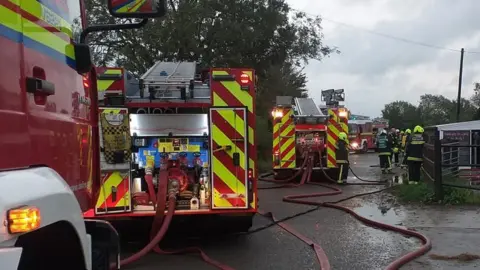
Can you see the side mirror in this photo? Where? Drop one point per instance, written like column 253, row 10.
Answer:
column 83, row 58
column 137, row 8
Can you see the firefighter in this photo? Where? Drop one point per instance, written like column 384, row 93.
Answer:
column 405, row 139
column 384, row 148
column 342, row 157
column 402, row 133
column 414, row 153
column 396, row 143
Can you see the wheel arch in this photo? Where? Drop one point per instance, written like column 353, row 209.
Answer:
column 46, row 190
column 50, row 247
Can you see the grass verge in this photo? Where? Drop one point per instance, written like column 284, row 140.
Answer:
column 423, row 193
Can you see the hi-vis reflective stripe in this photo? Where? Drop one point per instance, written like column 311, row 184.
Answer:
column 113, row 111
column 114, row 195
column 230, row 94
column 103, row 85
column 37, row 27
column 284, row 140
column 228, row 128
column 334, row 127
column 129, row 6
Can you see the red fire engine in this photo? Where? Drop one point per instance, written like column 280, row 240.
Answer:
column 360, row 133
column 196, row 127
column 49, row 114
column 299, row 122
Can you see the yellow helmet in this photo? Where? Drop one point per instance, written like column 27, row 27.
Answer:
column 342, row 136
column 408, row 131
column 418, row 129
column 402, row 132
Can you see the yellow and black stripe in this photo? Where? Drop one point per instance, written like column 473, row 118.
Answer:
column 116, row 136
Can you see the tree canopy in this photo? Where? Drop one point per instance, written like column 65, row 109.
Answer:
column 431, row 110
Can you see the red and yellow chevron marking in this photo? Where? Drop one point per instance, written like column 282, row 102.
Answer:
column 284, row 140
column 110, row 84
column 334, row 127
column 230, row 94
column 113, row 110
column 114, row 202
column 228, row 128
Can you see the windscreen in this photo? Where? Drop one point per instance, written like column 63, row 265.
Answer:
column 352, row 128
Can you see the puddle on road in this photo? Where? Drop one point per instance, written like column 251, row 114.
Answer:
column 380, row 213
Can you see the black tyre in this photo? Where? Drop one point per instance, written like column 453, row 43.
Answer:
column 100, row 256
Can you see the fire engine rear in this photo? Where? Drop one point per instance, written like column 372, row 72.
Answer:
column 300, row 125
column 196, row 128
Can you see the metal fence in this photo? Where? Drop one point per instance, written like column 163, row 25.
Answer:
column 451, row 160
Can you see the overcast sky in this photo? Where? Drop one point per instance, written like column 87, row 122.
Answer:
column 375, row 70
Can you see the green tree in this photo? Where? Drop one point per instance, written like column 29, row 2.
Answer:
column 401, row 114
column 432, row 110
column 437, row 109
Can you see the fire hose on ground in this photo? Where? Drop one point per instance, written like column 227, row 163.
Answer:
column 162, row 221
column 307, row 168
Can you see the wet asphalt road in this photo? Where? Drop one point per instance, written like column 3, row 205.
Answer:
column 348, row 243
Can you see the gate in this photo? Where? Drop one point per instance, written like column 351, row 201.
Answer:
column 451, row 158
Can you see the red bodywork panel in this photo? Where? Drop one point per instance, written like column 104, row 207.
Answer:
column 45, row 130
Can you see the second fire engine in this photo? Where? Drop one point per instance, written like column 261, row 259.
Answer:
column 298, row 124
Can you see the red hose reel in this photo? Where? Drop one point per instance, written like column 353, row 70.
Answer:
column 180, row 176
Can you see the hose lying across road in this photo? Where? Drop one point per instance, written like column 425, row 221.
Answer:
column 160, row 225
column 307, row 168
column 162, row 221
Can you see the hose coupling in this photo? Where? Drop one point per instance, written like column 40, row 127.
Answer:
column 173, row 187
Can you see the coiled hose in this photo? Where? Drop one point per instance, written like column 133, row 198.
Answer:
column 321, row 256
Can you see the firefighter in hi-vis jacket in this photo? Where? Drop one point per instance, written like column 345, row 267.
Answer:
column 342, row 157
column 405, row 139
column 414, row 154
column 384, row 148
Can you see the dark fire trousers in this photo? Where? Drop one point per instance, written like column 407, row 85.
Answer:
column 414, row 170
column 396, row 157
column 343, row 170
column 385, row 162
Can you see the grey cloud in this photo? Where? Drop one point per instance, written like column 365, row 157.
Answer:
column 439, row 24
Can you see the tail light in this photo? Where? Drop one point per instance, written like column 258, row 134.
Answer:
column 244, row 82
column 276, row 157
column 86, row 81
column 250, row 180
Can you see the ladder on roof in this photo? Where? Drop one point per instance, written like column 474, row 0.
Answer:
column 165, row 81
column 307, row 107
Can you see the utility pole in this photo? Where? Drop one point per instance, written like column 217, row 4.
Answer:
column 460, row 75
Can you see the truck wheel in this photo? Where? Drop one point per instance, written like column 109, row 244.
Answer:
column 100, row 256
